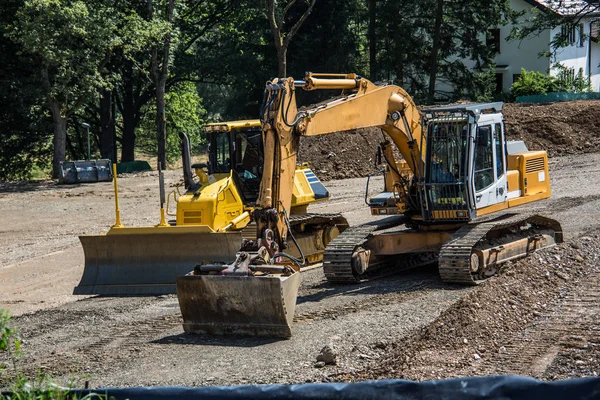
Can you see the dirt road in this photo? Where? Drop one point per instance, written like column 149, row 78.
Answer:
column 139, row 341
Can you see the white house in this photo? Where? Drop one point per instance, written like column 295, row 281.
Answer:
column 581, row 56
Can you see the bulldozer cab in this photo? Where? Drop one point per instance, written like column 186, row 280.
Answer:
column 237, row 147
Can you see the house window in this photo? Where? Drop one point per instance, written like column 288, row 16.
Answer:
column 581, row 36
column 568, row 34
column 516, row 77
column 492, row 40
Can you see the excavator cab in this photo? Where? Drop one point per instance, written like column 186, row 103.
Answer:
column 465, row 161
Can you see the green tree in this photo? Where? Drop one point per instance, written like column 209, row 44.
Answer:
column 425, row 42
column 24, row 128
column 70, row 42
column 184, row 112
column 279, row 14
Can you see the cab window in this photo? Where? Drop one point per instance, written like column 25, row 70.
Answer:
column 499, row 150
column 249, row 154
column 223, row 163
column 484, row 152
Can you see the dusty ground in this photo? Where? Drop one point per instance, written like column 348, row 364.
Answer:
column 393, row 327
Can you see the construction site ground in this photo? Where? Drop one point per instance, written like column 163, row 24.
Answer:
column 539, row 317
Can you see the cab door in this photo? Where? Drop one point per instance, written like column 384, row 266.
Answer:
column 489, row 162
column 500, row 163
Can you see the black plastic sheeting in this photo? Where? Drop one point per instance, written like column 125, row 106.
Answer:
column 493, row 387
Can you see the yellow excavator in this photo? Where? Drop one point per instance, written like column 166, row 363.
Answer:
column 212, row 217
column 451, row 199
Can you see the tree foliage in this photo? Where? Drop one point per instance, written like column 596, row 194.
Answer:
column 423, row 44
column 533, row 83
column 70, row 43
column 110, row 63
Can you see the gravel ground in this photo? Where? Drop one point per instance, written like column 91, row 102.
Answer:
column 139, row 341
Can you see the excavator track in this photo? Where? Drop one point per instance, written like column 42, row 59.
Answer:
column 456, row 255
column 337, row 260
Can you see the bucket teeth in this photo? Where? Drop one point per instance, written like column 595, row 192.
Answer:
column 244, row 305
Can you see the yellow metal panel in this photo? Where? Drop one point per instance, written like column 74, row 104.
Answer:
column 230, row 125
column 532, row 167
column 403, row 242
column 216, row 205
column 527, row 172
column 512, row 179
column 137, row 230
column 450, row 214
column 535, row 172
column 528, row 199
column 492, row 208
column 302, row 192
column 513, row 161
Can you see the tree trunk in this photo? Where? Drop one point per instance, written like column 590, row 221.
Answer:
column 129, row 123
column 128, row 142
column 282, row 40
column 106, row 126
column 160, row 76
column 60, row 138
column 282, row 61
column 161, row 125
column 433, row 61
column 372, row 41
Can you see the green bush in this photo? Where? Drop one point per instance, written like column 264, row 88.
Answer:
column 532, row 83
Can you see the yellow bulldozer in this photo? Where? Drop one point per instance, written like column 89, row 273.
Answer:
column 212, row 216
column 451, row 199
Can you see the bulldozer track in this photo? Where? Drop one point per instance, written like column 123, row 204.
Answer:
column 312, row 218
column 455, row 255
column 573, row 324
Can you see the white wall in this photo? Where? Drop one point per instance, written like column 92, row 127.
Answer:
column 595, row 65
column 517, row 54
column 573, row 56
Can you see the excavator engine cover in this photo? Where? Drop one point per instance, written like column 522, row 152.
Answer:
column 238, row 301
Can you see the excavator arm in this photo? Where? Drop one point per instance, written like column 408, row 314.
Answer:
column 361, row 104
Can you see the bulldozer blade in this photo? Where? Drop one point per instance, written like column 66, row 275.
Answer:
column 245, row 305
column 135, row 262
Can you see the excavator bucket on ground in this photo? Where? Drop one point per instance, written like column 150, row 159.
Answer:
column 143, row 261
column 258, row 301
column 85, row 171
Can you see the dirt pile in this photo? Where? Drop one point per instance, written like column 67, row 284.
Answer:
column 341, row 155
column 559, row 128
column 508, row 324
